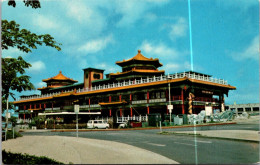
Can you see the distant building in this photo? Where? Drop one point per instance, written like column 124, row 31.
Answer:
column 139, row 89
column 240, row 108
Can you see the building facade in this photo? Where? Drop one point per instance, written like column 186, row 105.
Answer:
column 249, row 108
column 140, row 89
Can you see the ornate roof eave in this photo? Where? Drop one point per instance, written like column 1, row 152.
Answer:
column 138, row 71
column 139, row 57
column 59, row 77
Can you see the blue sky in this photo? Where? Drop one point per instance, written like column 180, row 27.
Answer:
column 98, row 33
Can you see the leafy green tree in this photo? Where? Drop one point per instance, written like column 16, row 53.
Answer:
column 13, row 70
column 13, row 76
column 33, row 3
column 24, row 40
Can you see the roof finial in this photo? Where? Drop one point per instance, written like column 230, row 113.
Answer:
column 139, row 51
column 60, row 71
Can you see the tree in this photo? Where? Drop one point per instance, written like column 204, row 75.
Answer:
column 33, row 3
column 24, row 40
column 13, row 70
column 14, row 78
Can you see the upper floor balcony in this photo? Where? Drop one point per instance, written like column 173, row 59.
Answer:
column 133, row 82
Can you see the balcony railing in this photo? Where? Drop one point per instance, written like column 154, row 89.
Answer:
column 139, row 102
column 137, row 118
column 157, row 100
column 54, row 108
column 134, row 82
column 205, row 99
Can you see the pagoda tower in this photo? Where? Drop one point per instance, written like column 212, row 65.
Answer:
column 137, row 67
column 57, row 81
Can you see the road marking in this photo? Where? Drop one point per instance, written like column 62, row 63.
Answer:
column 185, row 144
column 202, row 141
column 154, row 144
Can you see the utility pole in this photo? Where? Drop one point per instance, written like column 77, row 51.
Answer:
column 170, row 107
column 6, row 117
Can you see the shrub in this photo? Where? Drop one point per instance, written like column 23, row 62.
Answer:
column 10, row 135
column 17, row 158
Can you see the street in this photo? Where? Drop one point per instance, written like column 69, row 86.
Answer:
column 181, row 148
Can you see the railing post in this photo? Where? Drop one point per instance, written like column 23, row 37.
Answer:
column 140, row 118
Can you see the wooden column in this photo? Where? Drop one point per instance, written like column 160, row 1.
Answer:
column 121, row 112
column 182, row 98
column 167, row 95
column 109, row 98
column 167, row 110
column 89, row 104
column 110, row 112
column 120, row 98
column 131, row 111
column 148, row 110
column 147, row 96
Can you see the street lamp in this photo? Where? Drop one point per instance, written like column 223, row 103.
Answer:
column 170, row 107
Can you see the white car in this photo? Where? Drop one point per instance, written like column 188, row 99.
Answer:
column 97, row 124
column 123, row 125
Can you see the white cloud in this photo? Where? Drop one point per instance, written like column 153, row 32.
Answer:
column 179, row 29
column 135, row 10
column 40, row 84
column 109, row 68
column 88, row 13
column 37, row 67
column 45, row 22
column 250, row 52
column 176, row 67
column 13, row 53
column 96, row 45
column 158, row 50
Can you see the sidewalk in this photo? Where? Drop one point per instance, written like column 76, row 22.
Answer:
column 244, row 135
column 83, row 150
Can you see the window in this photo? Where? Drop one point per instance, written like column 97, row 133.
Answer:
column 96, row 76
column 239, row 109
column 255, row 108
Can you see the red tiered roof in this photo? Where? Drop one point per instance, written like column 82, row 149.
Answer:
column 59, row 77
column 139, row 57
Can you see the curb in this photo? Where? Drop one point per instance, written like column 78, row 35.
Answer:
column 205, row 136
column 129, row 129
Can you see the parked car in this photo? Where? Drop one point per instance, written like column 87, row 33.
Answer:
column 123, row 125
column 97, row 124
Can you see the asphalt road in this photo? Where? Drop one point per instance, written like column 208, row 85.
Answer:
column 181, row 148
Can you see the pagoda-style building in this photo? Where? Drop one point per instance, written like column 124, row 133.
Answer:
column 55, row 82
column 137, row 67
column 140, row 89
